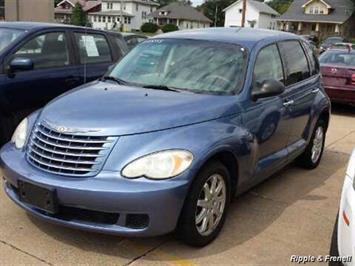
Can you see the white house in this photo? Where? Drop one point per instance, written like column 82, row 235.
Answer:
column 134, row 13
column 257, row 15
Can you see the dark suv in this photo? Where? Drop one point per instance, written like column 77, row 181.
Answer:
column 41, row 61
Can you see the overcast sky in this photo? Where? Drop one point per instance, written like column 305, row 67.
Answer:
column 197, row 2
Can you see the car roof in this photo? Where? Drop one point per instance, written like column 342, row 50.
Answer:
column 247, row 37
column 125, row 34
column 29, row 26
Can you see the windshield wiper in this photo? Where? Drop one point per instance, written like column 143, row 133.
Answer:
column 117, row 80
column 160, row 87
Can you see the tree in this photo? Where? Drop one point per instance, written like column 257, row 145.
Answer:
column 169, row 28
column 78, row 17
column 209, row 8
column 56, row 2
column 280, row 6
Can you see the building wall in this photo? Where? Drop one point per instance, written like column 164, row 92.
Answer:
column 316, row 5
column 233, row 17
column 185, row 24
column 139, row 11
column 29, row 10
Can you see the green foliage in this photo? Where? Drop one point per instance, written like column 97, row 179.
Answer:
column 169, row 28
column 78, row 17
column 56, row 2
column 208, row 8
column 280, row 6
column 149, row 27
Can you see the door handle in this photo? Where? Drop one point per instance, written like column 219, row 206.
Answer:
column 288, row 103
column 316, row 90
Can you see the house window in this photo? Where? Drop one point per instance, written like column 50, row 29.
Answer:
column 124, row 6
column 316, row 10
column 321, row 11
column 144, row 15
column 103, row 19
column 311, row 10
column 95, row 18
column 136, row 7
column 100, row 18
column 109, row 18
column 240, row 10
column 151, row 9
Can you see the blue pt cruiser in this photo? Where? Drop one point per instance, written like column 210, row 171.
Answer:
column 171, row 134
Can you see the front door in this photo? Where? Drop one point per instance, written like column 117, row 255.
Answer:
column 52, row 73
column 267, row 119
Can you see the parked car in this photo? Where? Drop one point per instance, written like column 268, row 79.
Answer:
column 132, row 39
column 182, row 124
column 338, row 71
column 327, row 43
column 41, row 61
column 342, row 244
column 343, row 45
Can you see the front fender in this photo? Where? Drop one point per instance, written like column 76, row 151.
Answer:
column 204, row 140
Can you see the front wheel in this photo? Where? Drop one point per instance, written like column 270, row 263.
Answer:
column 206, row 205
column 311, row 157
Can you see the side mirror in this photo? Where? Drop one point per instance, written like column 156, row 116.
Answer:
column 21, row 64
column 270, row 87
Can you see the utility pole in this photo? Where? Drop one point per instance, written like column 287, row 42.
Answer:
column 121, row 16
column 243, row 12
column 215, row 15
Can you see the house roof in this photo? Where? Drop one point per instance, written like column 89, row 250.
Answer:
column 260, row 6
column 144, row 2
column 87, row 5
column 342, row 11
column 180, row 11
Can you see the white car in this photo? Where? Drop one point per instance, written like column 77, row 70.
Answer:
column 343, row 239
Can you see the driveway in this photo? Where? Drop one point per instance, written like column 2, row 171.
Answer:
column 291, row 213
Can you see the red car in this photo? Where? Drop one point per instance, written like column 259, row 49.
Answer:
column 338, row 72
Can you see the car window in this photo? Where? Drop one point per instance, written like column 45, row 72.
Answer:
column 46, row 50
column 193, row 65
column 313, row 62
column 295, row 61
column 121, row 44
column 93, row 48
column 8, row 36
column 268, row 66
column 338, row 58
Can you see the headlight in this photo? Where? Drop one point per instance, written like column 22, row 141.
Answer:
column 160, row 165
column 20, row 134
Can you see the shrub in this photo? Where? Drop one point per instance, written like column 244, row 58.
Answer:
column 169, row 27
column 149, row 27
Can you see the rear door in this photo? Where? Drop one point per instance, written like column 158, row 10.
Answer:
column 94, row 54
column 53, row 72
column 302, row 81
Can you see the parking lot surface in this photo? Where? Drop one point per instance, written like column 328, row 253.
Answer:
column 292, row 213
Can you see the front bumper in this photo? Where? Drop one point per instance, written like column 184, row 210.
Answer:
column 142, row 207
column 346, row 228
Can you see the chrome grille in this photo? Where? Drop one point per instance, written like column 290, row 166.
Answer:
column 67, row 154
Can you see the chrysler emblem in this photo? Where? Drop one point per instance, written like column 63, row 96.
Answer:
column 62, row 129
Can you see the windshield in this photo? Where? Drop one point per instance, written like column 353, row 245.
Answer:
column 192, row 65
column 333, row 40
column 7, row 36
column 340, row 58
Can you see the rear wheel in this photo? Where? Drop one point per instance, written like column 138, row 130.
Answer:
column 206, row 205
column 311, row 157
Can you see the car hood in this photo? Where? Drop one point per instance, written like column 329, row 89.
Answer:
column 103, row 108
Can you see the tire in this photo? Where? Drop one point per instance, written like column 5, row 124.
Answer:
column 187, row 230
column 334, row 251
column 308, row 159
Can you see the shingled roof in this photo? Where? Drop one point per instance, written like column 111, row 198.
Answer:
column 180, row 11
column 341, row 12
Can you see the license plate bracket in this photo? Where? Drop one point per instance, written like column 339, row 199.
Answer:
column 39, row 197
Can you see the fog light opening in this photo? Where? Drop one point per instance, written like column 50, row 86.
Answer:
column 346, row 218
